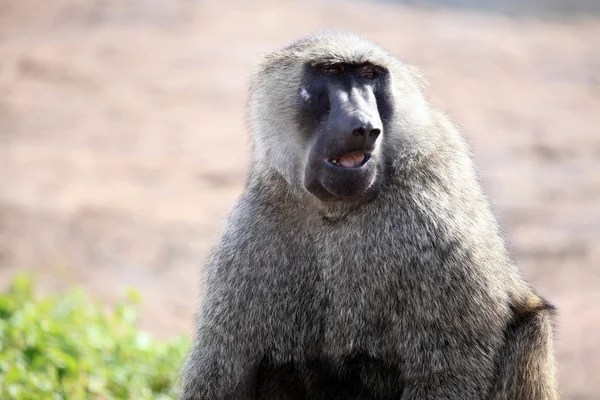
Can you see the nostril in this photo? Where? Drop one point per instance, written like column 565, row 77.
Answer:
column 359, row 131
column 375, row 132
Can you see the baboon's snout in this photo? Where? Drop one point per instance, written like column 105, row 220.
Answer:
column 353, row 127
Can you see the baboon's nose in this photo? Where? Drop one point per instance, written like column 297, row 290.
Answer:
column 359, row 131
column 366, row 132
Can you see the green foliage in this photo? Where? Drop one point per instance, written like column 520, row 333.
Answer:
column 69, row 347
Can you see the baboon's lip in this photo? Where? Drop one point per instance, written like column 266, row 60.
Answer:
column 350, row 160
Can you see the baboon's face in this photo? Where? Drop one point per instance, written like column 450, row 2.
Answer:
column 343, row 109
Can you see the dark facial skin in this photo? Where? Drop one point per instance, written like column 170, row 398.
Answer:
column 343, row 110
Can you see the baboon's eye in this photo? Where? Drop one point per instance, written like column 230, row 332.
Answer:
column 332, row 70
column 367, row 71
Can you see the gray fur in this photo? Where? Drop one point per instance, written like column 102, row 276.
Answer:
column 418, row 279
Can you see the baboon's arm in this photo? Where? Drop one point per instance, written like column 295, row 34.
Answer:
column 215, row 376
column 526, row 368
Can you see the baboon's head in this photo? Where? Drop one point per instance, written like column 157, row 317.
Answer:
column 331, row 111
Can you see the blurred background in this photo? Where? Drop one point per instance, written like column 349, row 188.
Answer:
column 123, row 142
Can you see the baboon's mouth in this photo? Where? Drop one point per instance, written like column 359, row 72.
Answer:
column 350, row 160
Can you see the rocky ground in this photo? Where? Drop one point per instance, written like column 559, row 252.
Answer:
column 123, row 142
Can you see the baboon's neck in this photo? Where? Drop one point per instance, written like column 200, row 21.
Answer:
column 432, row 184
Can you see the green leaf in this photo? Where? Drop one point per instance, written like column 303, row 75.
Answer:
column 67, row 346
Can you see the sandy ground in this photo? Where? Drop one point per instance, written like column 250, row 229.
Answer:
column 123, row 142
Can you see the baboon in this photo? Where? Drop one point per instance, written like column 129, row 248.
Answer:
column 363, row 259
